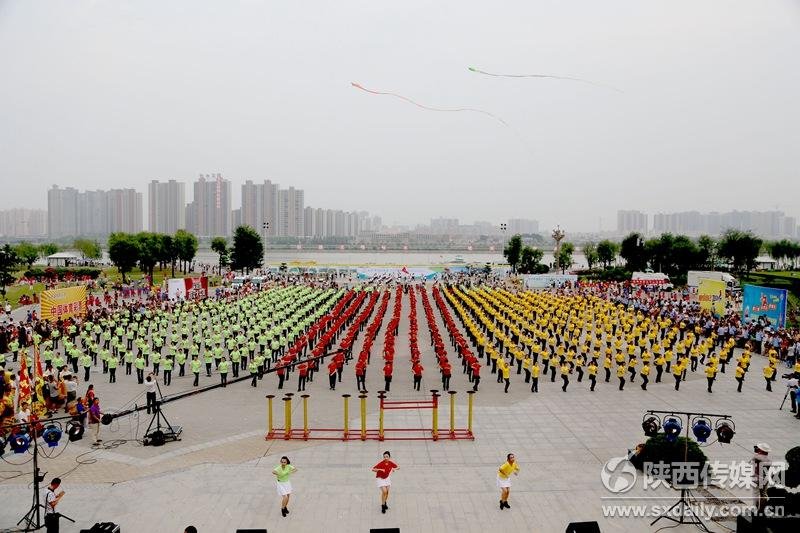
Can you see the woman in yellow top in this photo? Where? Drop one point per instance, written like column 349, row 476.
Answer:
column 504, row 479
column 632, row 368
column 659, row 367
column 677, row 370
column 711, row 373
column 607, row 367
column 506, row 376
column 535, row 378
column 527, row 363
column 769, row 373
column 593, row 373
column 740, row 372
column 621, row 376
column 645, row 372
column 565, row 370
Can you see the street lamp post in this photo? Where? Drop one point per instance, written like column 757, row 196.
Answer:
column 558, row 236
column 265, row 227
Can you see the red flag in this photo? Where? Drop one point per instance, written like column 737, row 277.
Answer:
column 404, row 270
column 37, row 361
column 24, row 381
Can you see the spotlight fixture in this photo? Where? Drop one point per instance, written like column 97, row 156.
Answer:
column 672, row 428
column 51, row 435
column 650, row 426
column 20, row 442
column 726, row 429
column 74, row 431
column 701, row 430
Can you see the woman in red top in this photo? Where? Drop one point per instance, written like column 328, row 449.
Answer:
column 383, row 471
column 417, row 370
column 387, row 375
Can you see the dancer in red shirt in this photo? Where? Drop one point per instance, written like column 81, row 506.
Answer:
column 383, row 471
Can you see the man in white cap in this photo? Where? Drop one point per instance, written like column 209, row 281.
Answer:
column 761, row 464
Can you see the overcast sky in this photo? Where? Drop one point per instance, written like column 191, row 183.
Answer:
column 101, row 94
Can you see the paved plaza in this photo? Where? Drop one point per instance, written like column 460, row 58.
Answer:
column 218, row 477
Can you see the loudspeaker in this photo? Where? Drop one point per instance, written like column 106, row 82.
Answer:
column 102, row 527
column 385, row 530
column 583, row 527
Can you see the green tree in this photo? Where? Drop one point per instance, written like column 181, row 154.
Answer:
column 220, row 246
column 48, row 249
column 632, row 250
column 248, row 249
column 8, row 263
column 123, row 250
column 27, row 253
column 530, row 260
column 591, row 255
column 513, row 252
column 185, row 247
column 564, row 259
column 740, row 248
column 659, row 252
column 685, row 255
column 88, row 248
column 707, row 248
column 168, row 254
column 150, row 251
column 607, row 252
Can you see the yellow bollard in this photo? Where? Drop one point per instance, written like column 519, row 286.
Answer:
column 452, row 394
column 380, row 415
column 363, row 416
column 469, row 410
column 435, row 416
column 305, row 416
column 287, row 418
column 346, row 414
column 269, row 414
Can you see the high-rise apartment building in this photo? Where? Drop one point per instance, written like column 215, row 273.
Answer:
column 260, row 205
column 62, row 212
column 522, row 226
column 768, row 224
column 93, row 213
column 23, row 223
column 166, row 206
column 291, row 212
column 444, row 225
column 629, row 221
column 322, row 223
column 124, row 211
column 209, row 213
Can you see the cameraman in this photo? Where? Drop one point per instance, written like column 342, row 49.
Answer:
column 51, row 499
column 792, row 384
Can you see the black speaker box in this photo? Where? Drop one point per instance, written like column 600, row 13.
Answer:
column 583, row 527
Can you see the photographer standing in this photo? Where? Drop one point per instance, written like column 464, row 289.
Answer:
column 51, row 500
column 792, row 386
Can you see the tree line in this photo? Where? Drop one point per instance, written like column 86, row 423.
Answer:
column 672, row 254
column 145, row 249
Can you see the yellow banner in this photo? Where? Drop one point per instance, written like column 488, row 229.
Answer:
column 712, row 296
column 64, row 303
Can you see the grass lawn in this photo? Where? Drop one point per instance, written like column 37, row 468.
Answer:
column 159, row 275
column 14, row 292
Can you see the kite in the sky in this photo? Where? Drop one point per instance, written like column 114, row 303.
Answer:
column 478, row 71
column 429, row 108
